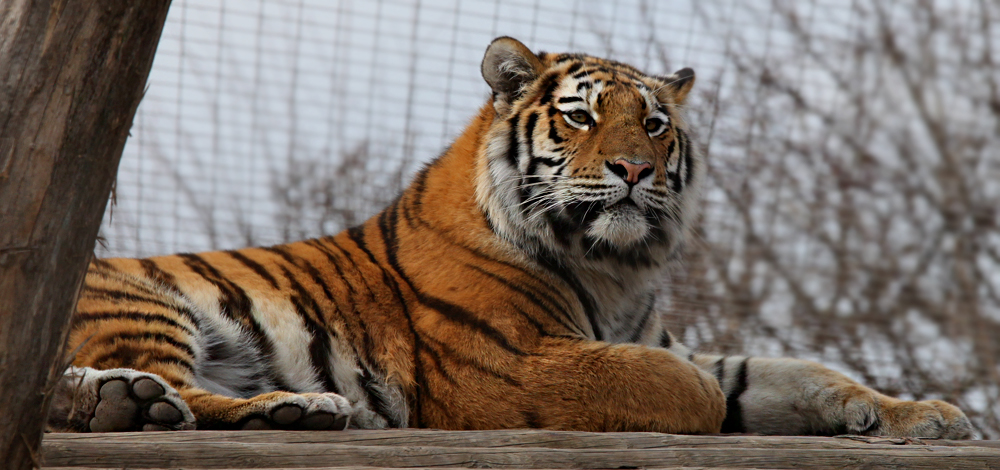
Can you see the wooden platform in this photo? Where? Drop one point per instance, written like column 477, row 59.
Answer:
column 501, row 449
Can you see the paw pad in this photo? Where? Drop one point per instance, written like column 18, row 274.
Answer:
column 132, row 401
column 287, row 414
column 307, row 411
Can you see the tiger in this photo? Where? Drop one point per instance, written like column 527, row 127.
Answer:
column 510, row 285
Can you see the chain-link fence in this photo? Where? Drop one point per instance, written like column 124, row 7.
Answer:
column 851, row 213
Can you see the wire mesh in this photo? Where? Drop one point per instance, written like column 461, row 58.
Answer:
column 246, row 96
column 850, row 215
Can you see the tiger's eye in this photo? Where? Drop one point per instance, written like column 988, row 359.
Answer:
column 580, row 117
column 652, row 125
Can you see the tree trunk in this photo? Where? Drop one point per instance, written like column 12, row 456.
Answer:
column 71, row 76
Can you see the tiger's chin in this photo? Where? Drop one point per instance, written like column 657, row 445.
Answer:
column 620, row 225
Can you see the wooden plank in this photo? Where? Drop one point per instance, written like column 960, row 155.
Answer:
column 215, row 455
column 71, row 76
column 516, row 438
column 385, row 468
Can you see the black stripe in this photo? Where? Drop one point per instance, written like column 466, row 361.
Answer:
column 368, row 344
column 128, row 281
column 570, row 99
column 311, row 270
column 320, row 349
column 158, row 337
column 665, row 340
column 123, row 355
column 163, row 278
column 102, row 264
column 88, row 317
column 675, row 177
column 550, row 162
column 553, row 133
column 682, row 148
column 120, row 296
column 628, row 72
column 179, row 361
column 549, row 84
column 637, row 333
column 332, row 259
column 474, row 363
column 438, row 361
column 448, row 310
column 254, row 266
column 233, row 301
column 734, row 415
column 513, row 147
column 357, row 266
column 535, row 300
column 573, row 68
column 533, row 420
column 586, row 300
column 416, row 191
column 529, row 138
column 538, row 280
column 720, row 369
column 375, row 399
column 235, row 304
column 688, row 159
column 356, row 234
column 529, row 132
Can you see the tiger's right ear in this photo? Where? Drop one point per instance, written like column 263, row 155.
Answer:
column 509, row 67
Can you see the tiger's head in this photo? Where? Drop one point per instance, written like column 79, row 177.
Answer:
column 587, row 159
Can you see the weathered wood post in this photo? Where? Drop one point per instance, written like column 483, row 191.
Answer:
column 72, row 73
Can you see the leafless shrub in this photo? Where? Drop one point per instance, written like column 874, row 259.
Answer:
column 317, row 196
column 852, row 209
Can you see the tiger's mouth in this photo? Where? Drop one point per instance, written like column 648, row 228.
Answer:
column 620, row 223
column 621, row 204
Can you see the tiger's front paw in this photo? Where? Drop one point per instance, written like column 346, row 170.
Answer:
column 305, row 411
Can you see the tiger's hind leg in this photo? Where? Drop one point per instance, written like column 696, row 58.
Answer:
column 273, row 410
column 87, row 399
column 211, row 366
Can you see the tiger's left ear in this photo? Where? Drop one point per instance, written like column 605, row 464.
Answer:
column 680, row 82
column 509, row 67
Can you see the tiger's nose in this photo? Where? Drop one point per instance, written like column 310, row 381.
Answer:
column 630, row 172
